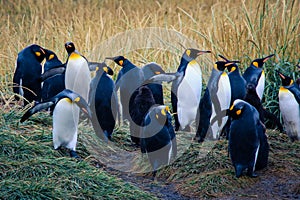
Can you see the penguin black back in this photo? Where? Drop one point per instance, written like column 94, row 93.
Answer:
column 28, row 71
column 103, row 102
column 55, row 84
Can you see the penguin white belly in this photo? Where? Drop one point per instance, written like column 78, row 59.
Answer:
column 224, row 98
column 78, row 77
column 261, row 85
column 189, row 94
column 289, row 109
column 65, row 123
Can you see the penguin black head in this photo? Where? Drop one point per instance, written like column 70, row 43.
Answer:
column 70, row 47
column 192, row 54
column 38, row 51
column 50, row 55
column 237, row 109
column 231, row 64
column 120, row 60
column 103, row 67
column 221, row 65
column 160, row 113
column 286, row 80
column 259, row 62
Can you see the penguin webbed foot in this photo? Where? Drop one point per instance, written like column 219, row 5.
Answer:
column 251, row 174
column 73, row 154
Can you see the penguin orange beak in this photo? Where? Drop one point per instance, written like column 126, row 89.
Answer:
column 203, row 52
column 267, row 58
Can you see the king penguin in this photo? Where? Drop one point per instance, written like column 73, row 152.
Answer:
column 103, row 102
column 130, row 78
column 150, row 70
column 186, row 90
column 27, row 73
column 158, row 139
column 255, row 74
column 244, row 137
column 77, row 74
column 55, row 84
column 65, row 123
column 289, row 100
column 219, row 92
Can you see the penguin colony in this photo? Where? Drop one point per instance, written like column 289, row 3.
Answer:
column 231, row 104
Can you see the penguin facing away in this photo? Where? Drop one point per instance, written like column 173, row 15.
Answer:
column 27, row 73
column 55, row 84
column 256, row 75
column 186, row 90
column 142, row 102
column 65, row 123
column 158, row 139
column 103, row 102
column 289, row 100
column 244, row 137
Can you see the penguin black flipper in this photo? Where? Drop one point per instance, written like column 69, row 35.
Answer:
column 263, row 152
column 35, row 109
column 160, row 78
column 58, row 70
column 17, row 81
column 64, row 94
column 205, row 112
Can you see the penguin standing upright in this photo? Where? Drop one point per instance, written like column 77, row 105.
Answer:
column 289, row 101
column 141, row 105
column 55, row 84
column 149, row 71
column 77, row 74
column 103, row 102
column 129, row 79
column 255, row 74
column 65, row 123
column 220, row 95
column 158, row 139
column 245, row 134
column 186, row 90
column 27, row 73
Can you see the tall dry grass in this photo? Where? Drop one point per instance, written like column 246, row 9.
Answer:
column 237, row 29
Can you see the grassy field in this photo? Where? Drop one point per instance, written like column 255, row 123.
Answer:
column 241, row 30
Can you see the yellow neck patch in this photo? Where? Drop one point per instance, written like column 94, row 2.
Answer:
column 68, row 100
column 163, row 112
column 105, row 69
column 224, row 74
column 231, row 108
column 193, row 62
column 216, row 67
column 255, row 64
column 77, row 99
column 188, row 52
column 283, row 89
column 233, row 69
column 74, row 56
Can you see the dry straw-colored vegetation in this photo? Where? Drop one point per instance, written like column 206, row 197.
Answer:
column 237, row 29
